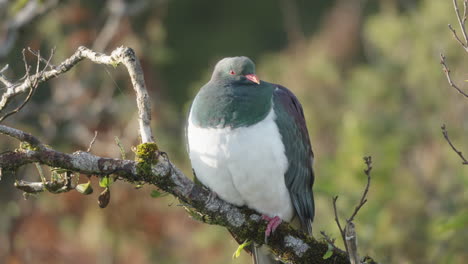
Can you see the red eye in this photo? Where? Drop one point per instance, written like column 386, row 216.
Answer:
column 232, row 72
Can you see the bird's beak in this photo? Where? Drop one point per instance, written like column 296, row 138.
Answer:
column 253, row 78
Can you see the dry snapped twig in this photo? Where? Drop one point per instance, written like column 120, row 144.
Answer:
column 449, row 78
column 459, row 153
column 351, row 242
column 151, row 166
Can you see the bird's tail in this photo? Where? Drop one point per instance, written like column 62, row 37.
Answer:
column 261, row 255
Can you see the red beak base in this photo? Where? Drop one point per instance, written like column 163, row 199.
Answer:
column 253, row 78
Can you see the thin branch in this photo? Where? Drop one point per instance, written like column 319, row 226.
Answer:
column 34, row 84
column 348, row 234
column 21, row 136
column 337, row 220
column 38, row 55
column 121, row 55
column 368, row 161
column 4, row 79
column 454, row 32
column 461, row 22
column 92, row 141
column 449, row 78
column 459, row 153
column 331, row 241
column 32, row 87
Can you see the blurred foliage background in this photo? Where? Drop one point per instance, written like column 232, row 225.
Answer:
column 366, row 72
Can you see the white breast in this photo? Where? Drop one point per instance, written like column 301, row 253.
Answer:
column 244, row 166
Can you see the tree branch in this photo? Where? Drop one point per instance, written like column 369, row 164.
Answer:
column 461, row 22
column 368, row 162
column 459, row 153
column 121, row 55
column 287, row 243
column 348, row 234
column 449, row 78
column 337, row 220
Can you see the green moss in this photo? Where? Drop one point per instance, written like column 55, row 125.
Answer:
column 146, row 156
column 147, row 152
column 27, row 146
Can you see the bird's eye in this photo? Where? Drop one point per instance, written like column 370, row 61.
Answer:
column 232, row 72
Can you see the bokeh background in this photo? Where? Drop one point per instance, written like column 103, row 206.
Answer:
column 366, row 72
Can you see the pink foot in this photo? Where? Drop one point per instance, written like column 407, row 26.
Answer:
column 273, row 223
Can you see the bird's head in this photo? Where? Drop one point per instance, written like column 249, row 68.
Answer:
column 236, row 69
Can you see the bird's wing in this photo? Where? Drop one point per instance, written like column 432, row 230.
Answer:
column 299, row 177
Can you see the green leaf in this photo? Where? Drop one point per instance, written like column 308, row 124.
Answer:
column 105, row 181
column 84, row 188
column 157, row 194
column 329, row 252
column 240, row 248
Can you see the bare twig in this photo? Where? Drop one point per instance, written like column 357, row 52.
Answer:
column 348, row 234
column 337, row 220
column 33, row 84
column 454, row 32
column 92, row 141
column 368, row 161
column 4, row 79
column 331, row 241
column 121, row 55
column 449, row 78
column 459, row 153
column 461, row 22
column 21, row 136
column 47, row 62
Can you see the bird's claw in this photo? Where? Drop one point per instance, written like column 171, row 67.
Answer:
column 273, row 223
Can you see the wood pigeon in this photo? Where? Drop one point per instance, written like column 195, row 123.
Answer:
column 248, row 143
